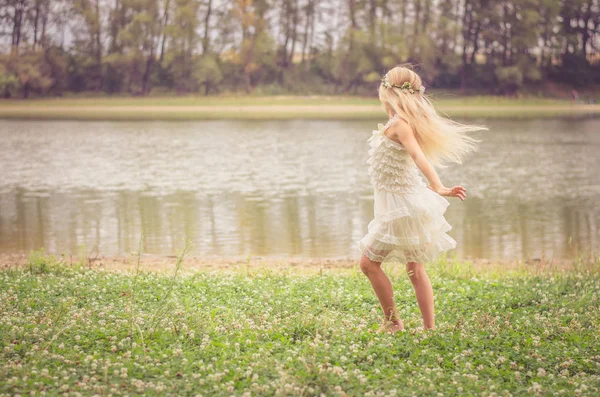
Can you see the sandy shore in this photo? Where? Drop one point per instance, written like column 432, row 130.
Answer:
column 167, row 264
column 191, row 264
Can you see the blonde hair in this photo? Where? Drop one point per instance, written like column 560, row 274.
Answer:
column 440, row 138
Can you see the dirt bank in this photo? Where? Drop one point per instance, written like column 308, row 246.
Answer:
column 166, row 264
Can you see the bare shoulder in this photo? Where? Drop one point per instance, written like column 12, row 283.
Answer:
column 399, row 130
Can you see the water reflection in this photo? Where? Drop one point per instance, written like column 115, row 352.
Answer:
column 312, row 226
column 296, row 188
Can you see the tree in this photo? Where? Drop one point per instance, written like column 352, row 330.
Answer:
column 339, row 46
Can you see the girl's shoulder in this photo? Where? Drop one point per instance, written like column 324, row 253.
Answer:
column 399, row 128
column 393, row 119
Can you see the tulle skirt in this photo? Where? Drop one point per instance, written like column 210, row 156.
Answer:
column 407, row 227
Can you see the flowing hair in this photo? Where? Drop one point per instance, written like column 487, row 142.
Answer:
column 440, row 138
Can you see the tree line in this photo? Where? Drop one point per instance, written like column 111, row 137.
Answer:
column 138, row 47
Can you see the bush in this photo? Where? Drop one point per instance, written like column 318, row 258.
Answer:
column 207, row 73
column 41, row 263
column 510, row 79
column 575, row 70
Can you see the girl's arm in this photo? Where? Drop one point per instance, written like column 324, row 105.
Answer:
column 404, row 133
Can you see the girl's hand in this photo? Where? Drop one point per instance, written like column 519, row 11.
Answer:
column 456, row 191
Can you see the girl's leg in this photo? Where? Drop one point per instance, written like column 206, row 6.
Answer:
column 383, row 289
column 423, row 291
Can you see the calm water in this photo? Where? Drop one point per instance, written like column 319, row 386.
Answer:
column 282, row 188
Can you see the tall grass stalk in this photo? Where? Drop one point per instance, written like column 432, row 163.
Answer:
column 158, row 313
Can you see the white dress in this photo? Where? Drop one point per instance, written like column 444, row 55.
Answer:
column 409, row 223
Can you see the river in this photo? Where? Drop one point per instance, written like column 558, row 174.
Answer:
column 283, row 188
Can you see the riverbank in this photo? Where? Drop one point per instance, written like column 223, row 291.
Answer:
column 276, row 108
column 66, row 328
column 162, row 264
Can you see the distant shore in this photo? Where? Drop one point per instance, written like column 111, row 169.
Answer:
column 276, row 108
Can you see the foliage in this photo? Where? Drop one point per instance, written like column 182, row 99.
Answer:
column 510, row 78
column 207, row 73
column 28, row 72
column 288, row 46
column 8, row 82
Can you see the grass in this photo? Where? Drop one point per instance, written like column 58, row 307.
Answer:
column 279, row 107
column 446, row 98
column 259, row 331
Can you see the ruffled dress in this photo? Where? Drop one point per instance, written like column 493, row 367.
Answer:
column 409, row 223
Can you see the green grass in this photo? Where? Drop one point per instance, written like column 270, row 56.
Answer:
column 279, row 107
column 194, row 101
column 73, row 329
column 445, row 98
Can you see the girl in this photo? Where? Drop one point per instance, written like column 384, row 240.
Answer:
column 409, row 223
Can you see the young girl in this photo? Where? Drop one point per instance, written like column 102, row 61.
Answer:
column 409, row 223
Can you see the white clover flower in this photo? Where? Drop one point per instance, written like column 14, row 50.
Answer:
column 536, row 388
column 541, row 372
column 404, row 87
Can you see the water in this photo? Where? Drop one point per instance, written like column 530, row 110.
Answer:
column 282, row 188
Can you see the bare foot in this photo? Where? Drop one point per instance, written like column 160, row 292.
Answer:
column 391, row 328
column 425, row 330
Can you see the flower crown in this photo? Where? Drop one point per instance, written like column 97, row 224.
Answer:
column 405, row 87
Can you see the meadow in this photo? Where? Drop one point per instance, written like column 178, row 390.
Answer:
column 278, row 107
column 73, row 329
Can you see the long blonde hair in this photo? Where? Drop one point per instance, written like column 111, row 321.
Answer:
column 440, row 138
